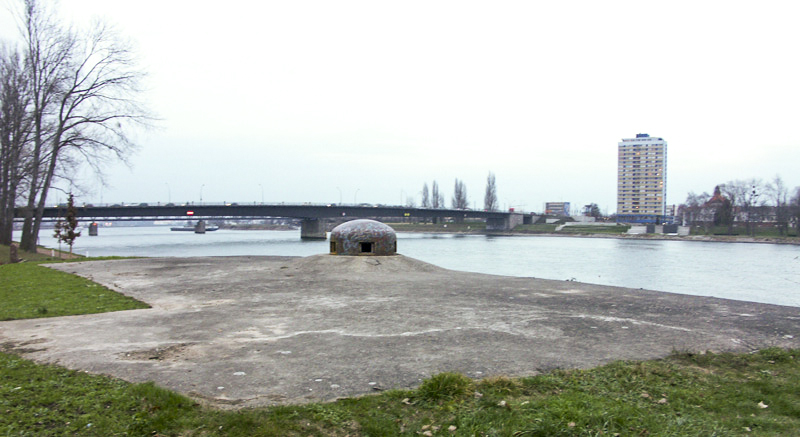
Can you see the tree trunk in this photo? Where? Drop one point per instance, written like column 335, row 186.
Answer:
column 48, row 180
column 9, row 186
column 7, row 214
column 5, row 217
column 27, row 241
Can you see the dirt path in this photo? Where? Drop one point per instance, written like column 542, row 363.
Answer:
column 55, row 253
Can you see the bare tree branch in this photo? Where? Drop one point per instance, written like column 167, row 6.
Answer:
column 84, row 89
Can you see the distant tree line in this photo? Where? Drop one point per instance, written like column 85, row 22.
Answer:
column 68, row 99
column 434, row 198
column 745, row 201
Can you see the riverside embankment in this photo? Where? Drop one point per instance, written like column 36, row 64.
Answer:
column 597, row 232
column 245, row 331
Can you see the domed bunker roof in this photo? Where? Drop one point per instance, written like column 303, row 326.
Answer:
column 363, row 237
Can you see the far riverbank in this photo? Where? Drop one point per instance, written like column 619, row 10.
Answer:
column 599, row 232
column 479, row 228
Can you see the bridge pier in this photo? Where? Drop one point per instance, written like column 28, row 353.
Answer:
column 200, row 227
column 93, row 229
column 504, row 224
column 313, row 229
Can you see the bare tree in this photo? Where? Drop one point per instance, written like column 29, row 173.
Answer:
column 490, row 198
column 733, row 191
column 753, row 203
column 779, row 194
column 459, row 200
column 46, row 51
column 691, row 211
column 794, row 209
column 84, row 89
column 436, row 197
column 14, row 135
column 426, row 200
column 745, row 197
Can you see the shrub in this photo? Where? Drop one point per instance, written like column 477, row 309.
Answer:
column 445, row 386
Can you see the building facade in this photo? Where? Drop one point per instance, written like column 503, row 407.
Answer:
column 642, row 180
column 556, row 208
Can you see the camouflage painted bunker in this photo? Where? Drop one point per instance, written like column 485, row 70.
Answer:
column 363, row 237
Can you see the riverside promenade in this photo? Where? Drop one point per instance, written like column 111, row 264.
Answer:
column 251, row 331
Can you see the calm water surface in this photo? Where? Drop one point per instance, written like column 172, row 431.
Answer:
column 768, row 273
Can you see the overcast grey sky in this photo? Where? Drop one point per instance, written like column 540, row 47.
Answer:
column 328, row 101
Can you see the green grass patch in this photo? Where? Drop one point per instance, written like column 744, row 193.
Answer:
column 29, row 290
column 439, row 227
column 741, row 231
column 447, row 386
column 611, row 229
column 45, row 400
column 5, row 255
column 684, row 394
column 536, row 228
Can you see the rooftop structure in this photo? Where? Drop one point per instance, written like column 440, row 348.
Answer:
column 642, row 180
column 363, row 237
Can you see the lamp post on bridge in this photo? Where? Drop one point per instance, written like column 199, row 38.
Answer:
column 201, row 193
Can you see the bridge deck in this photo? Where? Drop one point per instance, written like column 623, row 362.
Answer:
column 234, row 211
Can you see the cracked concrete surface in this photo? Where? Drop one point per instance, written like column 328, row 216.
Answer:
column 251, row 331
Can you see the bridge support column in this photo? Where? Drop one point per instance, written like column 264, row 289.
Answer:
column 497, row 224
column 311, row 228
column 200, row 227
column 504, row 224
column 93, row 229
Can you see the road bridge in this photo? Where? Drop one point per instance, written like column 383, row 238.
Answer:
column 312, row 216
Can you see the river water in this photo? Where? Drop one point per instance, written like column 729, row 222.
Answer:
column 768, row 273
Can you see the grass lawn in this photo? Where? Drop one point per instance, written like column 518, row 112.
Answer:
column 610, row 229
column 741, row 231
column 29, row 290
column 439, row 227
column 684, row 394
column 28, row 257
column 540, row 228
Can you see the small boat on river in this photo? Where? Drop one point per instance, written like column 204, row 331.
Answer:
column 191, row 228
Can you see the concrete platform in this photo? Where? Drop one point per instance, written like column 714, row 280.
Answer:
column 250, row 331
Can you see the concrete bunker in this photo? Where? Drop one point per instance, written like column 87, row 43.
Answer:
column 363, row 238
